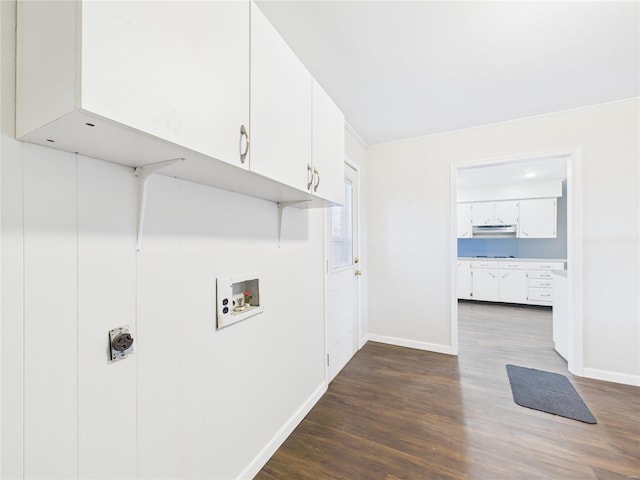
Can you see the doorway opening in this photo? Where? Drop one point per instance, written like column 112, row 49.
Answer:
column 511, row 178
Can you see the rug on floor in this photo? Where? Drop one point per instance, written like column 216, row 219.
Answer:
column 547, row 392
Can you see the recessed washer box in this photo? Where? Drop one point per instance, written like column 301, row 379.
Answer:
column 238, row 298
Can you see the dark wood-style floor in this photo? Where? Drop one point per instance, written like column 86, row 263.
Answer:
column 397, row 413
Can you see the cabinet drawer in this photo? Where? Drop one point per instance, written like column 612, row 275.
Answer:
column 540, row 274
column 513, row 265
column 540, row 283
column 484, row 264
column 546, row 265
column 541, row 294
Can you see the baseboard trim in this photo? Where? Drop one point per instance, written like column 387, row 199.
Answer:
column 403, row 342
column 278, row 439
column 363, row 341
column 608, row 376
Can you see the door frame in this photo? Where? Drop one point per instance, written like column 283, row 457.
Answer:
column 575, row 356
column 327, row 258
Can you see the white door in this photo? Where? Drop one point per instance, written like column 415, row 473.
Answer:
column 343, row 290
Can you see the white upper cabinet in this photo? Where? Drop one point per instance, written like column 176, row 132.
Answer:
column 281, row 107
column 495, row 213
column 464, row 220
column 327, row 168
column 507, row 212
column 211, row 83
column 170, row 71
column 483, row 213
column 538, row 218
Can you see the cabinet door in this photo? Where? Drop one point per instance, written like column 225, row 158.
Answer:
column 483, row 213
column 464, row 220
column 175, row 70
column 463, row 280
column 513, row 286
column 485, row 284
column 327, row 147
column 280, row 107
column 537, row 218
column 507, row 212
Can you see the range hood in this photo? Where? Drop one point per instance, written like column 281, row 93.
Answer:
column 494, row 231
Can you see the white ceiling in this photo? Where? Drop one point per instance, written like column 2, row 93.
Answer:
column 512, row 173
column 402, row 69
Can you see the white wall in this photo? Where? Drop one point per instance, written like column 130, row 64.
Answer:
column 409, row 220
column 192, row 402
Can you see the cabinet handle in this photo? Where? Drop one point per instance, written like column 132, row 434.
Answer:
column 500, row 220
column 309, row 176
column 526, row 234
column 315, row 172
column 245, row 135
column 492, row 275
column 503, row 276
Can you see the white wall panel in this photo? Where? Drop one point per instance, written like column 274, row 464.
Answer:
column 50, row 314
column 158, row 329
column 106, row 300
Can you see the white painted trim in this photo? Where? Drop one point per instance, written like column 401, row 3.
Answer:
column 575, row 354
column 403, row 342
column 364, row 340
column 615, row 377
column 278, row 439
column 574, row 243
column 355, row 134
column 453, row 257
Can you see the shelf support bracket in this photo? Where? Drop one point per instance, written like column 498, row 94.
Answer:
column 143, row 173
column 281, row 207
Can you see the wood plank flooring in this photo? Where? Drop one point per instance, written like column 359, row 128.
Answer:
column 397, row 413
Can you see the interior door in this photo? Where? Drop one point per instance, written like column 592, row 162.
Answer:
column 343, row 289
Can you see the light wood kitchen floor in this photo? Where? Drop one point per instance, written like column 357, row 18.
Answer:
column 397, row 413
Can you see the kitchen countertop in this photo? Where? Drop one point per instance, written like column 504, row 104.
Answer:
column 517, row 259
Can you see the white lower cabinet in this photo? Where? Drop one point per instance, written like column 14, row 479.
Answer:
column 486, row 284
column 513, row 286
column 464, row 279
column 510, row 281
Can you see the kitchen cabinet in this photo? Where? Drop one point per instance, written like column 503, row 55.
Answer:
column 326, row 172
column 485, row 281
column 211, row 84
column 463, row 279
column 464, row 220
column 495, row 213
column 511, row 280
column 538, row 218
column 513, row 285
column 157, row 68
column 281, row 107
column 540, row 282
